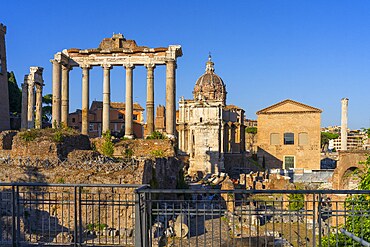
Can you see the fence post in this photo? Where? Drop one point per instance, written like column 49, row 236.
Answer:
column 319, row 218
column 80, row 214
column 138, row 227
column 13, row 218
column 75, row 216
column 18, row 218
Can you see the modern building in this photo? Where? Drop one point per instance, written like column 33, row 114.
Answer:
column 4, row 94
column 208, row 127
column 288, row 136
column 117, row 119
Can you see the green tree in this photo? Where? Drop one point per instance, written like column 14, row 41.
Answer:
column 325, row 137
column 47, row 101
column 15, row 94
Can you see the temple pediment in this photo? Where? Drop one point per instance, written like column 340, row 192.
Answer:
column 289, row 106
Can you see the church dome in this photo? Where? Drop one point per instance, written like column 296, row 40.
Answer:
column 210, row 86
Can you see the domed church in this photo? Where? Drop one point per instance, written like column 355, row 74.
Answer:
column 209, row 130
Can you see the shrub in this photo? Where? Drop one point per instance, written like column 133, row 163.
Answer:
column 58, row 136
column 157, row 153
column 128, row 153
column 296, row 202
column 30, row 135
column 156, row 135
column 107, row 147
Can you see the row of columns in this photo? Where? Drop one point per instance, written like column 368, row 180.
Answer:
column 32, row 87
column 61, row 97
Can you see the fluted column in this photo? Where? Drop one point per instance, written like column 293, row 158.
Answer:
column 85, row 99
column 30, row 105
column 56, row 93
column 129, row 131
column 106, row 98
column 65, row 94
column 38, row 115
column 24, row 103
column 170, row 98
column 150, row 98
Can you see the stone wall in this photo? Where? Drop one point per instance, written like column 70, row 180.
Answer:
column 6, row 139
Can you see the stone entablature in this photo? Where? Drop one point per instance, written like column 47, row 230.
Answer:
column 115, row 51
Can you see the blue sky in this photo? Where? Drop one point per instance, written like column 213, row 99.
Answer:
column 314, row 52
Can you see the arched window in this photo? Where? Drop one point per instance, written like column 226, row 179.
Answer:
column 288, row 138
column 274, row 139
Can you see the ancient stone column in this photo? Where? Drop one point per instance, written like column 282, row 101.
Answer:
column 24, row 113
column 85, row 99
column 38, row 115
column 56, row 93
column 106, row 97
column 30, row 105
column 170, row 98
column 150, row 98
column 65, row 94
column 129, row 131
column 344, row 125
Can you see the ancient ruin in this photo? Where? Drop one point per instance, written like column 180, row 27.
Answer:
column 31, row 107
column 4, row 97
column 115, row 51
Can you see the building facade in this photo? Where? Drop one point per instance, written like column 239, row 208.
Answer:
column 207, row 127
column 289, row 136
column 117, row 112
column 4, row 94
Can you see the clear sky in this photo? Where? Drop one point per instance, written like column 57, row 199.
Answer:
column 314, row 52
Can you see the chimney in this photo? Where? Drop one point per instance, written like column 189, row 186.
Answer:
column 344, row 125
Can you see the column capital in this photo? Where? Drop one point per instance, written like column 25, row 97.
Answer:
column 39, row 86
column 129, row 66
column 107, row 66
column 150, row 65
column 66, row 67
column 85, row 66
column 54, row 61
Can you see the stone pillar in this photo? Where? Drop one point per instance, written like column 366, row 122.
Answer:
column 150, row 98
column 24, row 113
column 344, row 125
column 30, row 105
column 129, row 131
column 38, row 115
column 170, row 98
column 106, row 98
column 56, row 93
column 65, row 94
column 85, row 99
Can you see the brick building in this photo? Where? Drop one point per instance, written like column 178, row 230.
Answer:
column 288, row 136
column 117, row 119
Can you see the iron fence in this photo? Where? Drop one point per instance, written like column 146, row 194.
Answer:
column 133, row 215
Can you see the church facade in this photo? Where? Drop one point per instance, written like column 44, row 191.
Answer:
column 208, row 127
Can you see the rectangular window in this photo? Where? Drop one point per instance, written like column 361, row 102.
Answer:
column 289, row 162
column 91, row 127
column 135, row 117
column 274, row 139
column 288, row 138
column 73, row 120
column 302, row 138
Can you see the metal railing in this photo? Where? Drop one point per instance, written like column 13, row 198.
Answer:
column 136, row 215
column 67, row 214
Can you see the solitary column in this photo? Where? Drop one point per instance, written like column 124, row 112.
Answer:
column 129, row 132
column 56, row 93
column 38, row 121
column 150, row 98
column 85, row 99
column 106, row 97
column 343, row 128
column 170, row 98
column 24, row 103
column 31, row 104
column 65, row 94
